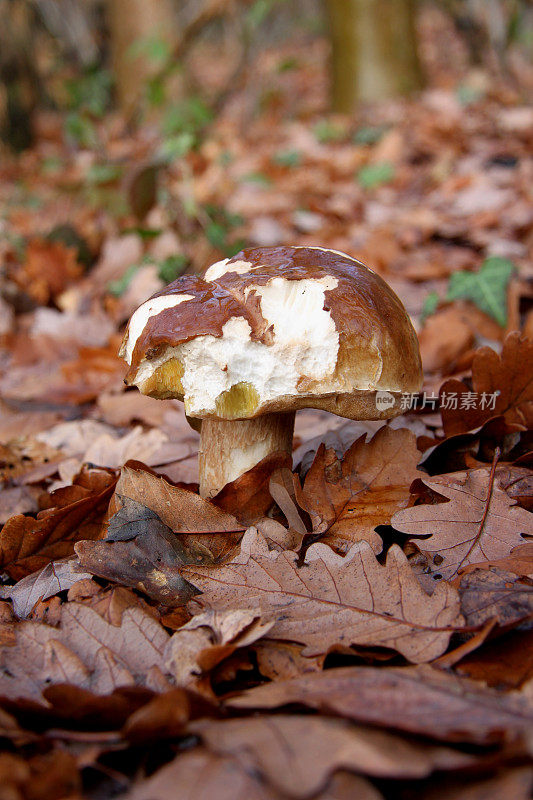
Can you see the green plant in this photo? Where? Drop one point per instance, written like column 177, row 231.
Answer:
column 487, row 288
column 374, row 175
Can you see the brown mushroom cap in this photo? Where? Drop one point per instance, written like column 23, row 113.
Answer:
column 275, row 329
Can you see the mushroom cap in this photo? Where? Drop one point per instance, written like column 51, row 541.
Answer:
column 275, row 329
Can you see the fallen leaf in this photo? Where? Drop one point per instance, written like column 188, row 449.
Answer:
column 28, row 544
column 510, row 375
column 346, row 499
column 248, row 497
column 318, row 747
column 453, row 710
column 445, row 337
column 141, row 551
column 55, row 577
column 17, row 500
column 180, row 510
column 494, row 594
column 283, row 491
column 479, row 523
column 504, row 663
column 330, row 602
column 49, row 268
column 209, row 638
column 200, row 773
column 84, row 650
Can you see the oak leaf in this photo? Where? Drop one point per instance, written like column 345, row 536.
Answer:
column 333, row 602
column 479, row 523
column 348, row 498
column 84, row 650
column 158, row 528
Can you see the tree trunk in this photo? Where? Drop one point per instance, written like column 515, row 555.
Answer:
column 373, row 50
column 132, row 22
column 19, row 81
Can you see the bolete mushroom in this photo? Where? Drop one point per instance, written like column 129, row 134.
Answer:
column 267, row 332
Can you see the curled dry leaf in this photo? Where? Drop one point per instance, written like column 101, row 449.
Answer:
column 348, row 498
column 479, row 523
column 454, row 710
column 332, row 602
column 208, row 639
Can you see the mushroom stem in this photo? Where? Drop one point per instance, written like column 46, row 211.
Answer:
column 229, row 448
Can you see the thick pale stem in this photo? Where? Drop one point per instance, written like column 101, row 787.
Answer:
column 229, row 448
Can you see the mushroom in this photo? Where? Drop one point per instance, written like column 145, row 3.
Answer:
column 267, row 332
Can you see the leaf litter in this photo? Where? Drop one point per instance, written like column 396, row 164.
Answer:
column 357, row 623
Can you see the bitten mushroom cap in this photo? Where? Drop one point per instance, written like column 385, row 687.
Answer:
column 275, row 329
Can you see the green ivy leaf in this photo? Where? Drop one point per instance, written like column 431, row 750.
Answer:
column 430, row 306
column 374, row 175
column 172, row 267
column 369, row 135
column 118, row 287
column 287, row 158
column 487, row 289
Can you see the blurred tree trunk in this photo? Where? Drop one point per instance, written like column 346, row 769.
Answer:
column 19, row 80
column 132, row 22
column 374, row 54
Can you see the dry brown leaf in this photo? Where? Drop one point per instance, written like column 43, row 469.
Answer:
column 494, row 594
column 55, row 577
column 180, row 510
column 510, row 374
column 200, row 774
column 420, row 700
column 43, row 776
column 479, row 523
column 520, row 561
column 28, row 544
column 330, row 601
column 209, row 638
column 141, row 552
column 280, row 661
column 504, row 663
column 84, row 650
column 444, row 338
column 48, row 270
column 248, row 497
column 283, row 486
column 318, row 747
column 348, row 498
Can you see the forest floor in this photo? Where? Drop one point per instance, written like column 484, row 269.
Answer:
column 356, row 624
